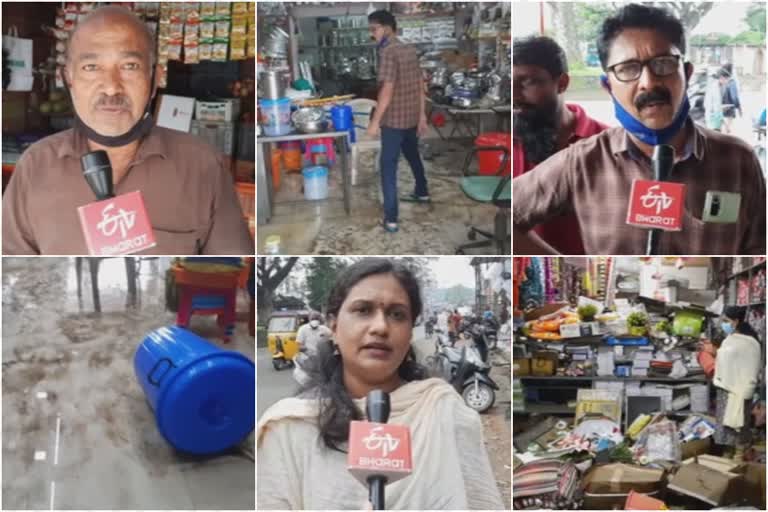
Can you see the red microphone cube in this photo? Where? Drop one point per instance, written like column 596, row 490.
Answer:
column 656, row 205
column 116, row 226
column 379, row 449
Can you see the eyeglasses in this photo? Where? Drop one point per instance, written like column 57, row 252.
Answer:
column 661, row 66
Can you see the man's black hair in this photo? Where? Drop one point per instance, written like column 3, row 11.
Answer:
column 540, row 51
column 384, row 18
column 639, row 16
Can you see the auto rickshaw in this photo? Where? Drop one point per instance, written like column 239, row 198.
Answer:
column 281, row 336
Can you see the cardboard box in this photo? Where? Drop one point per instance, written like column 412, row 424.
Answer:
column 704, row 483
column 544, row 363
column 521, row 367
column 696, row 447
column 608, row 486
column 751, row 486
column 225, row 110
column 598, row 403
column 175, row 112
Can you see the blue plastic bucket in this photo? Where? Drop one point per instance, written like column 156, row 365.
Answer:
column 315, row 182
column 341, row 115
column 202, row 396
column 276, row 116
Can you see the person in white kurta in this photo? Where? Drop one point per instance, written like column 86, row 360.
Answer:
column 451, row 469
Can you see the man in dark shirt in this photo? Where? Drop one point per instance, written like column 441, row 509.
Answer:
column 642, row 50
column 189, row 196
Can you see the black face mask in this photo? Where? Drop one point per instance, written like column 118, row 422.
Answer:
column 137, row 131
column 536, row 129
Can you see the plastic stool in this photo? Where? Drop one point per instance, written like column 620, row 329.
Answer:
column 204, row 293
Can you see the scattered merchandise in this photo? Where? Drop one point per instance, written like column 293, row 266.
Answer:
column 648, row 395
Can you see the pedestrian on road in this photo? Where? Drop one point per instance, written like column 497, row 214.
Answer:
column 309, row 337
column 731, row 100
column 301, row 441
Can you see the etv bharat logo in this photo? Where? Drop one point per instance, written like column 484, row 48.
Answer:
column 385, row 443
column 651, row 199
column 122, row 220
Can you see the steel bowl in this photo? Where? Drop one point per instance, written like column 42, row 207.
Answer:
column 309, row 120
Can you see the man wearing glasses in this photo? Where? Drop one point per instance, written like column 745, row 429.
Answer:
column 642, row 51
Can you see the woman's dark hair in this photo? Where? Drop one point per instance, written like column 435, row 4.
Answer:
column 739, row 314
column 639, row 16
column 540, row 51
column 325, row 368
column 384, row 18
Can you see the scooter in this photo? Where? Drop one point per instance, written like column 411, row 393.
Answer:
column 491, row 333
column 466, row 371
column 429, row 328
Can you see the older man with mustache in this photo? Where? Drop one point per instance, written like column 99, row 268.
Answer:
column 642, row 51
column 189, row 195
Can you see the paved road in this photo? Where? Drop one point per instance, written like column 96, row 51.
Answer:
column 273, row 385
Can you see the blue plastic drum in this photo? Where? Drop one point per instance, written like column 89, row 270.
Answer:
column 202, row 396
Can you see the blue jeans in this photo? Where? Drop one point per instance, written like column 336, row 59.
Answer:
column 393, row 140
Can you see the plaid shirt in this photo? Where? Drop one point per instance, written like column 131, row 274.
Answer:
column 399, row 64
column 593, row 179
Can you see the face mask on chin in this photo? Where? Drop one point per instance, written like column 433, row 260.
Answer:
column 647, row 135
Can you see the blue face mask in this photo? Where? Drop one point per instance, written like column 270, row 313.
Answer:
column 727, row 327
column 642, row 132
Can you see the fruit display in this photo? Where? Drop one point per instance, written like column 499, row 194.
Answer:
column 548, row 326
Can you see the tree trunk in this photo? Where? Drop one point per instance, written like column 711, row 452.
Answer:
column 270, row 274
column 264, row 309
column 566, row 30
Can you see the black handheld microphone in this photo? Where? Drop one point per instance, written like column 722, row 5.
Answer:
column 662, row 161
column 97, row 171
column 377, row 410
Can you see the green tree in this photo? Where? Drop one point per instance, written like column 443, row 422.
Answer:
column 270, row 272
column 755, row 18
column 590, row 16
column 321, row 276
column 460, row 295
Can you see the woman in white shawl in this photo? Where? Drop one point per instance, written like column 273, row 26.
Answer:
column 738, row 364
column 302, row 441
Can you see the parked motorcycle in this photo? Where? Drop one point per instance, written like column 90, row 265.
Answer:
column 466, row 370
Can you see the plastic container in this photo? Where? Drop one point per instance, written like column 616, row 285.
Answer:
column 275, row 117
column 276, row 168
column 489, row 161
column 341, row 115
column 202, row 396
column 291, row 156
column 219, row 134
column 315, row 182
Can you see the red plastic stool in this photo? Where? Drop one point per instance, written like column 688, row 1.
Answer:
column 203, row 293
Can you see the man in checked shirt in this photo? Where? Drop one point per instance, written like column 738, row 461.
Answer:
column 399, row 116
